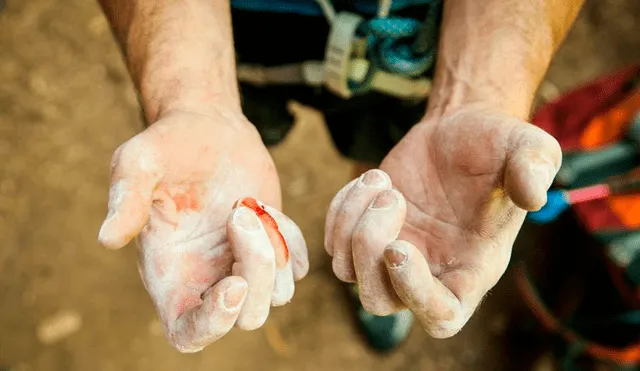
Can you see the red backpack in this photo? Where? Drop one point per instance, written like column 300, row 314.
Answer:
column 592, row 124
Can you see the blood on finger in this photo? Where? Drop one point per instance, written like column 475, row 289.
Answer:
column 271, row 227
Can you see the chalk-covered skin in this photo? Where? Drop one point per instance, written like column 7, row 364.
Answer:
column 432, row 229
column 207, row 265
column 445, row 217
column 492, row 56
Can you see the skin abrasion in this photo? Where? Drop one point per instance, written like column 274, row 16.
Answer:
column 187, row 200
column 208, row 271
column 271, row 227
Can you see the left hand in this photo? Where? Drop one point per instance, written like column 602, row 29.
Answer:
column 433, row 229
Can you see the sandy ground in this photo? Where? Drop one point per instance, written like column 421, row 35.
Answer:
column 66, row 103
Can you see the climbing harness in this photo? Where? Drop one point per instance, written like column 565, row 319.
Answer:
column 384, row 54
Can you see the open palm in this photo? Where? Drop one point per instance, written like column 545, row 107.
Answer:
column 443, row 214
column 205, row 265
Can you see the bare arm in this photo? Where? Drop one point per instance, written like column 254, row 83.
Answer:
column 179, row 53
column 207, row 266
column 469, row 171
column 497, row 52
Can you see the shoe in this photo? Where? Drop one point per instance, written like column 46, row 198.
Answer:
column 383, row 333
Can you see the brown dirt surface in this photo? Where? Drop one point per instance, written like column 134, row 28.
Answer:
column 66, row 103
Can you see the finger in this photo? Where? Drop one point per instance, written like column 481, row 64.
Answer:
column 379, row 226
column 368, row 186
column 255, row 262
column 295, row 241
column 270, row 225
column 284, row 284
column 532, row 165
column 330, row 222
column 284, row 287
column 437, row 308
column 134, row 177
column 203, row 325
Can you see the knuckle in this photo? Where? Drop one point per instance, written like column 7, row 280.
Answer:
column 126, row 151
column 137, row 154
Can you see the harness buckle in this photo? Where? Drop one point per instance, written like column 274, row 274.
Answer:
column 339, row 52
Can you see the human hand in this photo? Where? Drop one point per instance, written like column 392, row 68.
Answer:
column 206, row 263
column 433, row 229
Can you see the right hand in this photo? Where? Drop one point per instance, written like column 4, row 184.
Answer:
column 206, row 265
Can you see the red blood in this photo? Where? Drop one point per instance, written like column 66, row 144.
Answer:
column 187, row 200
column 275, row 236
column 181, row 201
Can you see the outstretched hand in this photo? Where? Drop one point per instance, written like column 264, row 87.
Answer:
column 208, row 264
column 433, row 228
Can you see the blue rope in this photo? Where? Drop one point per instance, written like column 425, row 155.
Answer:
column 390, row 50
column 402, row 46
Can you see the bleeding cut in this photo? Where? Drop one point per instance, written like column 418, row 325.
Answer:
column 276, row 238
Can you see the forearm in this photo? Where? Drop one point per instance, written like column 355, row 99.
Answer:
column 496, row 52
column 180, row 53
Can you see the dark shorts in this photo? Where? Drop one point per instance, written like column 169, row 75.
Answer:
column 363, row 128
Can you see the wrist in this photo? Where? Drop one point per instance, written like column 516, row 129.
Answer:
column 214, row 122
column 184, row 87
column 190, row 99
column 492, row 53
column 451, row 95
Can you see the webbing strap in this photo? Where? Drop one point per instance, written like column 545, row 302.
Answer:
column 384, row 54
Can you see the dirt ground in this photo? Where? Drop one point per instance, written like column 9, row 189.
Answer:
column 66, row 103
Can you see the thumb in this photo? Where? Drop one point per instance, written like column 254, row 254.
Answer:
column 130, row 198
column 533, row 160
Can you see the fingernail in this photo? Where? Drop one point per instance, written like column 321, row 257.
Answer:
column 234, row 296
column 246, row 219
column 374, row 178
column 384, row 200
column 395, row 257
